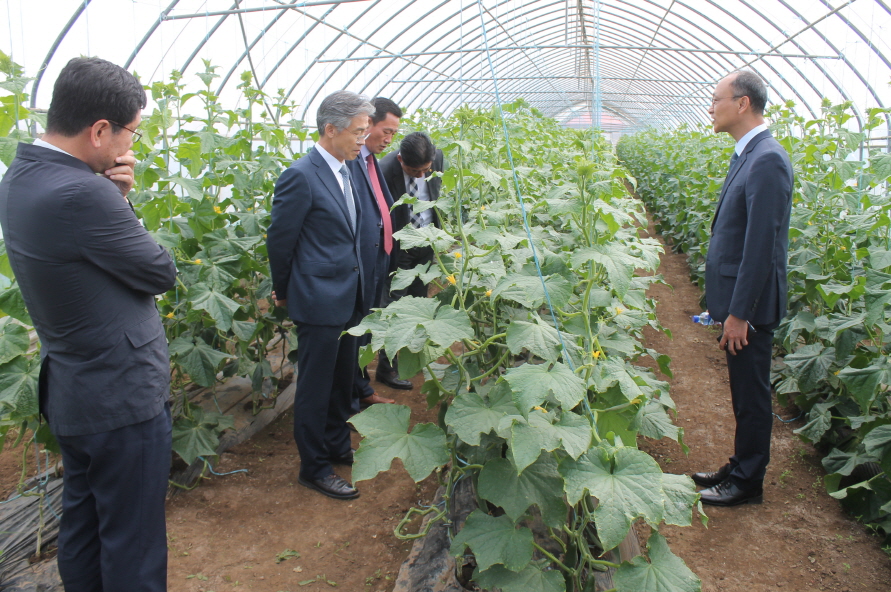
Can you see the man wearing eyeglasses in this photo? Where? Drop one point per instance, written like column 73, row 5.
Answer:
column 375, row 192
column 88, row 272
column 409, row 171
column 746, row 280
column 321, row 272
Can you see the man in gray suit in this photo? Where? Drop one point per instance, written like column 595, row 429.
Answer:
column 88, row 272
column 322, row 274
column 746, row 279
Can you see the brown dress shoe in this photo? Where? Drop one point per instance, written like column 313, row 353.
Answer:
column 373, row 400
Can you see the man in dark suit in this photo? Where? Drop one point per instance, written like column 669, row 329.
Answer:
column 373, row 191
column 321, row 274
column 408, row 171
column 746, row 279
column 88, row 272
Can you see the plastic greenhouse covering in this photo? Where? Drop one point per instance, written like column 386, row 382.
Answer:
column 620, row 65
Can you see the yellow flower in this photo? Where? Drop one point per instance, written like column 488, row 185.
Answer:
column 458, row 254
column 542, row 409
column 482, row 207
column 169, row 315
column 488, row 292
column 217, row 210
column 596, row 353
column 197, row 261
column 619, row 310
column 452, row 279
column 836, row 372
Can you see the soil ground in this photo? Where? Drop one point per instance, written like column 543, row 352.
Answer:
column 240, row 532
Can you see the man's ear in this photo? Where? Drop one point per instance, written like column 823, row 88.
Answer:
column 399, row 158
column 746, row 104
column 100, row 132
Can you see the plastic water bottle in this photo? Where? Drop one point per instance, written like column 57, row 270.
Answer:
column 703, row 319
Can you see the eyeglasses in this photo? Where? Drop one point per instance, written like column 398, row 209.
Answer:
column 136, row 135
column 360, row 137
column 716, row 99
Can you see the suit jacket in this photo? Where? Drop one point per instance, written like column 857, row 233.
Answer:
column 373, row 255
column 314, row 254
column 745, row 269
column 401, row 215
column 88, row 272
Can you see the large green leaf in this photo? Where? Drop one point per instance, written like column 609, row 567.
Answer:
column 13, row 304
column 819, row 421
column 385, row 436
column 471, row 415
column 219, row 306
column 14, row 340
column 530, row 579
column 539, row 484
column 680, row 496
column 199, row 360
column 540, row 339
column 614, row 257
column 626, row 484
column 811, row 365
column 533, row 383
column 494, row 541
column 198, row 435
column 18, row 386
column 653, row 421
column 664, row 572
column 428, row 235
column 527, row 290
column 864, row 382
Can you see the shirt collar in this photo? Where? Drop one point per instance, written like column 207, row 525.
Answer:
column 44, row 144
column 744, row 141
column 332, row 162
column 364, row 152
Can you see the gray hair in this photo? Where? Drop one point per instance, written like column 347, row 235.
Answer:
column 340, row 108
column 748, row 84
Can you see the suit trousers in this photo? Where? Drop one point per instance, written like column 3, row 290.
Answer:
column 408, row 259
column 113, row 534
column 326, row 369
column 750, row 393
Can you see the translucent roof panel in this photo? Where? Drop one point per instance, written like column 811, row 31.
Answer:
column 621, row 64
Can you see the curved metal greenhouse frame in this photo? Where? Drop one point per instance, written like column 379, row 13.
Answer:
column 622, row 64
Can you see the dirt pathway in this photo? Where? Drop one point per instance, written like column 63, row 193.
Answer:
column 799, row 539
column 241, row 532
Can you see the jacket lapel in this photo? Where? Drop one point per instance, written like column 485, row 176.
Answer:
column 736, row 168
column 326, row 175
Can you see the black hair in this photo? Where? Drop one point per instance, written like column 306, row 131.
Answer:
column 383, row 106
column 417, row 149
column 748, row 84
column 90, row 89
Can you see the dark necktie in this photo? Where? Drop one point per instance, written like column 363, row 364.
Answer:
column 348, row 195
column 381, row 204
column 416, row 220
column 733, row 160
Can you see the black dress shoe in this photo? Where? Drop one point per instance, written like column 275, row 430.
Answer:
column 346, row 459
column 333, row 486
column 393, row 381
column 728, row 494
column 712, row 479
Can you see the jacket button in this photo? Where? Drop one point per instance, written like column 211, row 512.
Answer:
column 356, row 268
column 376, row 245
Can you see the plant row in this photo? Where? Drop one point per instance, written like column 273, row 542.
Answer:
column 529, row 348
column 834, row 342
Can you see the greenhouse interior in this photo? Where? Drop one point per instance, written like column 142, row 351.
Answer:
column 610, row 280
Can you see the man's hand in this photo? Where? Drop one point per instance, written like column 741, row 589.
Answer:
column 123, row 173
column 734, row 337
column 279, row 303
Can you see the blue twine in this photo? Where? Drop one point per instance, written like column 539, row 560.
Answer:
column 800, row 415
column 208, row 465
column 510, row 157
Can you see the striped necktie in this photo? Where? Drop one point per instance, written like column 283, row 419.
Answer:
column 416, row 220
column 348, row 195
